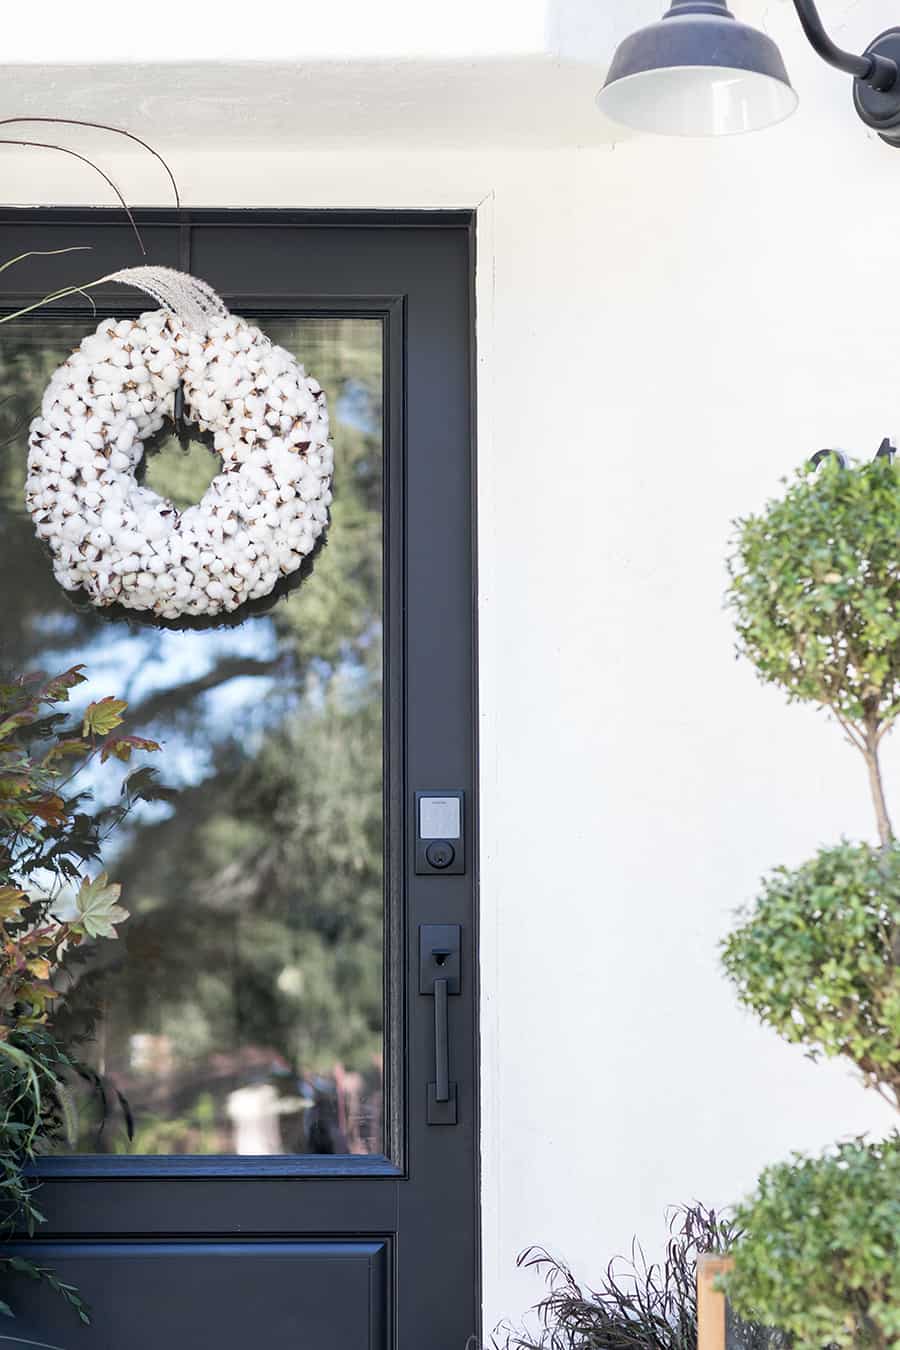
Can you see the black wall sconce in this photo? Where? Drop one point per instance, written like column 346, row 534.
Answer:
column 699, row 72
column 886, row 450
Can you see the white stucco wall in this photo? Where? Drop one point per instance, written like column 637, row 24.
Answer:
column 664, row 330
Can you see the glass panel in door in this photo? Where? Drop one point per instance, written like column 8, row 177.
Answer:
column 241, row 1011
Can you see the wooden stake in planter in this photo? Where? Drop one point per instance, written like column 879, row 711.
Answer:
column 711, row 1302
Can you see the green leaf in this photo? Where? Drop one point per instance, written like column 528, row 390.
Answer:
column 56, row 690
column 11, row 724
column 66, row 747
column 144, row 785
column 122, row 746
column 104, row 716
column 23, row 1267
column 12, row 902
column 97, row 907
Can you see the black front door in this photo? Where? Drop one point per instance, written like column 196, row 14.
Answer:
column 290, row 1012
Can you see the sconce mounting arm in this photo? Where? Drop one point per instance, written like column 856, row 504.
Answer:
column 876, row 74
column 879, row 72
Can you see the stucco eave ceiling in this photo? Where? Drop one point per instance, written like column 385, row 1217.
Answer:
column 533, row 101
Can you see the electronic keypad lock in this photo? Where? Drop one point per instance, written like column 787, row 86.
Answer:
column 440, row 833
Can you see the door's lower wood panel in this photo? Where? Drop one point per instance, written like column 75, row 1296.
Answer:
column 209, row 1295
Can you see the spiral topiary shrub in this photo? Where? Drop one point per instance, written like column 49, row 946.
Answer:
column 815, row 589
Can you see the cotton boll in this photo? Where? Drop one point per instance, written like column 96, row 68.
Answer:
column 119, row 462
column 125, row 438
column 73, row 528
column 80, row 453
column 96, row 348
column 255, row 474
column 155, row 526
column 129, row 541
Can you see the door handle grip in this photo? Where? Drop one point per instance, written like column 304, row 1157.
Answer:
column 441, row 1042
column 440, row 977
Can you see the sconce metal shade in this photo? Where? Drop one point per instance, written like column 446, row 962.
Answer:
column 698, row 72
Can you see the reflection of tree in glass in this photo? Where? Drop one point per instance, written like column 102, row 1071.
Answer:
column 252, row 962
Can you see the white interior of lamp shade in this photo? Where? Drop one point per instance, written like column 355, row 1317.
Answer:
column 697, row 101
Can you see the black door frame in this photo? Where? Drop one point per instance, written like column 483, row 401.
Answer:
column 388, row 272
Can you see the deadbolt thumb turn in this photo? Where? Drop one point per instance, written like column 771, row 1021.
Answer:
column 440, row 976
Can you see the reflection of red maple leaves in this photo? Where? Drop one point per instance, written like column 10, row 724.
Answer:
column 42, row 834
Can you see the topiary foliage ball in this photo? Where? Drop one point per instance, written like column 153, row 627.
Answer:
column 818, row 958
column 815, row 589
column 819, row 1257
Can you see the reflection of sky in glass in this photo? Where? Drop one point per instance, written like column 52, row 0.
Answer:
column 354, row 407
column 137, row 663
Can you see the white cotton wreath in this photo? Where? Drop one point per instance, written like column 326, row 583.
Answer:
column 122, row 543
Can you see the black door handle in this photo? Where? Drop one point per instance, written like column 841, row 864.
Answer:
column 440, row 976
column 441, row 1043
